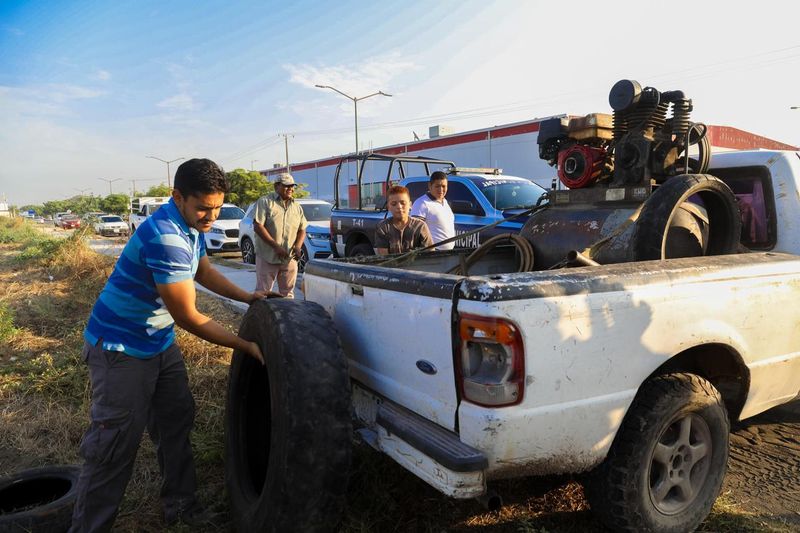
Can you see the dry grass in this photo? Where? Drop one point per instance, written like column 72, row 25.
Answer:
column 44, row 400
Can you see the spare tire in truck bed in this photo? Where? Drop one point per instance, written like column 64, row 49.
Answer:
column 288, row 423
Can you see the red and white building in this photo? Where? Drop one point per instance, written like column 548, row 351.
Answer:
column 511, row 147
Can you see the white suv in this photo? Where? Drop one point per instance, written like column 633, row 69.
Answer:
column 224, row 233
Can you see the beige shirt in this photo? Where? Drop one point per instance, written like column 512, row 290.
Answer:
column 282, row 223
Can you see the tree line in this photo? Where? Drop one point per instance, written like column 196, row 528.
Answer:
column 245, row 188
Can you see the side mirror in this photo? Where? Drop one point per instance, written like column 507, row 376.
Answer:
column 465, row 207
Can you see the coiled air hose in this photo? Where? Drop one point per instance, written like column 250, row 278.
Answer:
column 524, row 249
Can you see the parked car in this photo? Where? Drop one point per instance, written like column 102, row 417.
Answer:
column 224, row 233
column 316, row 244
column 70, row 222
column 92, row 217
column 57, row 218
column 111, row 225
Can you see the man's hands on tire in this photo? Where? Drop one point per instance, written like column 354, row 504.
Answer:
column 254, row 351
column 257, row 295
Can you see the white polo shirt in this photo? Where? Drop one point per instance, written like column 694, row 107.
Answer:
column 439, row 218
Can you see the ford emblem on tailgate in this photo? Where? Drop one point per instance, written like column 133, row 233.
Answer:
column 426, row 366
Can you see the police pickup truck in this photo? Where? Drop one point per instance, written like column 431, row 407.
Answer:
column 477, row 196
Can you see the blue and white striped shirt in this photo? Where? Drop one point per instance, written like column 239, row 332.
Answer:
column 129, row 314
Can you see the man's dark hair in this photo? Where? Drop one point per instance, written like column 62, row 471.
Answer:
column 437, row 176
column 200, row 176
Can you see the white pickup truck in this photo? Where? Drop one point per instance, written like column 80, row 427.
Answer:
column 629, row 372
column 143, row 208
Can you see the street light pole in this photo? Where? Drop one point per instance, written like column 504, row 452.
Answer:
column 355, row 103
column 109, row 183
column 169, row 183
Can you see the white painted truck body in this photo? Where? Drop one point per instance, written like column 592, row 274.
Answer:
column 591, row 336
column 144, row 212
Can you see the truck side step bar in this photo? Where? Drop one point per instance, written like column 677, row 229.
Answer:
column 434, row 441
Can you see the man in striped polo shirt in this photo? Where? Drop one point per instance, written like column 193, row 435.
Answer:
column 137, row 371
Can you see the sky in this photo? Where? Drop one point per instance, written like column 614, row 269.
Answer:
column 89, row 89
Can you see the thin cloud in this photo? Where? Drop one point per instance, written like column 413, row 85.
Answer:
column 14, row 31
column 44, row 100
column 366, row 77
column 178, row 102
column 65, row 92
column 180, row 75
column 101, row 75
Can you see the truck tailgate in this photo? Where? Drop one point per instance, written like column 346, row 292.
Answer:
column 372, row 309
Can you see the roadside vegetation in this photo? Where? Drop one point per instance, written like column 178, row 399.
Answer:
column 47, row 288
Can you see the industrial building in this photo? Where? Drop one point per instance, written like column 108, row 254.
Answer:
column 511, row 147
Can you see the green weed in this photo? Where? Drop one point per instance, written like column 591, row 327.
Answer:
column 7, row 329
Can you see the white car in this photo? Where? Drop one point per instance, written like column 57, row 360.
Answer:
column 110, row 225
column 316, row 244
column 224, row 233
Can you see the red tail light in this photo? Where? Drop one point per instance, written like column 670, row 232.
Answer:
column 490, row 361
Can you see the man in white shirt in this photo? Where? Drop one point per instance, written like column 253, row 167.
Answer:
column 435, row 211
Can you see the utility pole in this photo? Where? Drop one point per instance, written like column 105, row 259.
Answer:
column 169, row 182
column 251, row 164
column 286, row 147
column 109, row 183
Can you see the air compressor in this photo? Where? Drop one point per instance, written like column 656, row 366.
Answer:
column 636, row 185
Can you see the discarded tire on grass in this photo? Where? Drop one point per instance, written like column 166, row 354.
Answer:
column 667, row 462
column 657, row 229
column 288, row 423
column 39, row 499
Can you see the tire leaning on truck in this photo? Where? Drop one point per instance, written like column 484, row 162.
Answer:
column 665, row 468
column 288, row 424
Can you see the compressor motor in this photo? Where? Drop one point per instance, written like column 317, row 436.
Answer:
column 647, row 137
column 632, row 185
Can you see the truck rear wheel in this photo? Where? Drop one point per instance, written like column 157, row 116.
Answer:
column 667, row 462
column 288, row 424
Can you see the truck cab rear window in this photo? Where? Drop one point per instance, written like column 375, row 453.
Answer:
column 753, row 190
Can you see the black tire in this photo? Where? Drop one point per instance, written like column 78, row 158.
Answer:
column 640, row 485
column 301, row 263
column 248, row 251
column 362, row 249
column 39, row 499
column 649, row 239
column 288, row 424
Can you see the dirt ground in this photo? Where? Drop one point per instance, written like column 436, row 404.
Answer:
column 764, row 464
